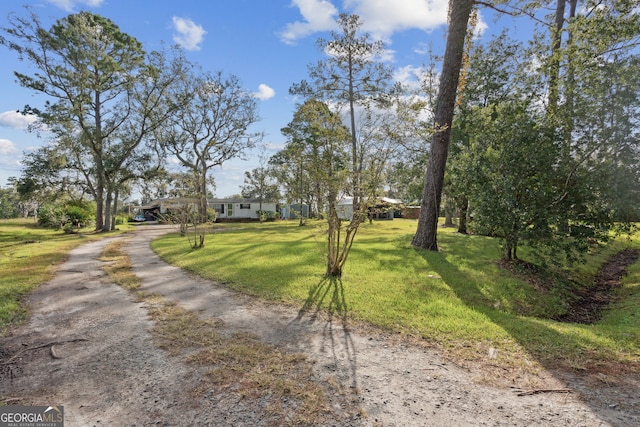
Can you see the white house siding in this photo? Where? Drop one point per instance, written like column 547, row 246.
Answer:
column 240, row 208
column 344, row 209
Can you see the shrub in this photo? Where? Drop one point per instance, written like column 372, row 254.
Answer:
column 52, row 216
column 267, row 215
column 212, row 215
column 69, row 217
column 77, row 216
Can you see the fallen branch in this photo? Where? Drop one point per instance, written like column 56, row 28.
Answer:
column 35, row 347
column 543, row 390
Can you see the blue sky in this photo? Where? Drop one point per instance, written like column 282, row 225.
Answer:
column 268, row 44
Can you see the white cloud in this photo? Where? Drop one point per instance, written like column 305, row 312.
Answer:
column 423, row 48
column 409, row 76
column 68, row 5
column 273, row 147
column 319, row 15
column 7, row 147
column 187, row 34
column 15, row 120
column 381, row 18
column 481, row 26
column 264, row 92
column 9, row 160
column 387, row 55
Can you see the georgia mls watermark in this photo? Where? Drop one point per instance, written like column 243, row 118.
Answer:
column 31, row 416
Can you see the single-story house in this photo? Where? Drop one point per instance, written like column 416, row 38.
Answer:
column 157, row 208
column 387, row 208
column 227, row 209
column 242, row 209
column 383, row 208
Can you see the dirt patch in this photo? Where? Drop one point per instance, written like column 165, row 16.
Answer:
column 590, row 301
column 110, row 369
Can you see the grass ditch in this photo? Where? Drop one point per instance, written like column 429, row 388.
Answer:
column 282, row 384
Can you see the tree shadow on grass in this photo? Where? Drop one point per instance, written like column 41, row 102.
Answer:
column 536, row 337
column 326, row 303
column 327, row 296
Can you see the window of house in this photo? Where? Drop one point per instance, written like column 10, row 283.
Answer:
column 245, row 205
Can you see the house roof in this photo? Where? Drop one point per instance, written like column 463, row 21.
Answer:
column 391, row 201
column 239, row 201
column 349, row 201
column 171, row 200
column 157, row 202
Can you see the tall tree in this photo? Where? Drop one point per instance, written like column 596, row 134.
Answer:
column 352, row 77
column 323, row 141
column 211, row 127
column 410, row 125
column 47, row 176
column 491, row 76
column 288, row 165
column 550, row 176
column 100, row 84
column 130, row 152
column 426, row 234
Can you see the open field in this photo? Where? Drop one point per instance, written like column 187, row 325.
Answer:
column 458, row 299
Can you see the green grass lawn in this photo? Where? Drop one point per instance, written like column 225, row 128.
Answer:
column 29, row 256
column 458, row 299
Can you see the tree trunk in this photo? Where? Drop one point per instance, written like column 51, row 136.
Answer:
column 333, row 240
column 339, row 241
column 99, row 203
column 510, row 248
column 356, row 168
column 463, row 209
column 260, row 210
column 426, row 234
column 301, row 223
column 448, row 213
column 507, row 251
column 106, row 225
column 203, row 197
column 554, row 67
column 114, row 215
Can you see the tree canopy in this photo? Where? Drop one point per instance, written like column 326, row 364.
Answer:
column 212, row 125
column 105, row 95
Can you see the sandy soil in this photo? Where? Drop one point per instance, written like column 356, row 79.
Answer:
column 88, row 346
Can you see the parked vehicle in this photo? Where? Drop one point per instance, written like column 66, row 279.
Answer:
column 139, row 218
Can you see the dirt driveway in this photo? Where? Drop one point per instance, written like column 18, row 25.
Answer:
column 88, row 346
